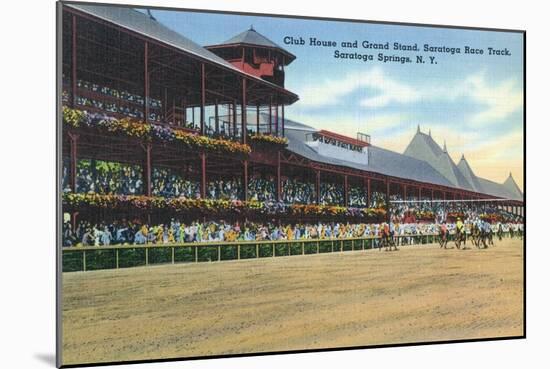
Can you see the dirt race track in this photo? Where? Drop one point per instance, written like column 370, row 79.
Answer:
column 419, row 293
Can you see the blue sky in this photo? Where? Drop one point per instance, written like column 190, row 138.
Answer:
column 473, row 102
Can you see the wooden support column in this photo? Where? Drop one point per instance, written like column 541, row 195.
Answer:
column 419, row 193
column 270, row 114
column 74, row 159
column 388, row 199
column 73, row 62
column 279, row 192
column 203, row 98
column 245, row 180
column 184, row 107
column 318, row 186
column 276, row 119
column 148, row 169
column 203, row 175
column 346, row 191
column 283, row 120
column 165, row 104
column 405, row 192
column 258, row 119
column 234, row 118
column 432, row 194
column 243, row 114
column 368, row 193
column 217, row 118
column 146, row 82
column 230, row 120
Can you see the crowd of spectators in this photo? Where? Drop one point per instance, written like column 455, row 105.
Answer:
column 357, row 197
column 262, row 189
column 169, row 183
column 137, row 233
column 442, row 211
column 332, row 194
column 297, row 192
column 378, row 199
column 108, row 177
column 225, row 189
column 124, row 102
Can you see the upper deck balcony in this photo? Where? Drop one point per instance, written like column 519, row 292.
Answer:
column 152, row 74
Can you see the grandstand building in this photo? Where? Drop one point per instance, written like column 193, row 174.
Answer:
column 122, row 63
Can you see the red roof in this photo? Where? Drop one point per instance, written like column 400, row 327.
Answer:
column 342, row 138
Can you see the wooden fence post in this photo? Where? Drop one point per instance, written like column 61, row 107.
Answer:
column 84, row 260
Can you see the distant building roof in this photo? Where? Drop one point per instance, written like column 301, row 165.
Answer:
column 381, row 161
column 468, row 173
column 423, row 147
column 511, row 185
column 408, row 166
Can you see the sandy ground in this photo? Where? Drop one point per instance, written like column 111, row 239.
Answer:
column 419, row 293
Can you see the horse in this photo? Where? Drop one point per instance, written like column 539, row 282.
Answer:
column 475, row 235
column 460, row 238
column 387, row 241
column 443, row 238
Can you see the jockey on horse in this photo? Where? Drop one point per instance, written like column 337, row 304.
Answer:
column 443, row 235
column 460, row 233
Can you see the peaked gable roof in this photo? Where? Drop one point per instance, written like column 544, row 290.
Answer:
column 254, row 38
column 511, row 185
column 469, row 174
column 423, row 147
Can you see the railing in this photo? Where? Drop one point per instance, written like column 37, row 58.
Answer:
column 125, row 256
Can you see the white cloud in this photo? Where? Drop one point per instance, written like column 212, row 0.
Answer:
column 498, row 100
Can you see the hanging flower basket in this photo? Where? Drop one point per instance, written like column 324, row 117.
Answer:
column 81, row 119
column 268, row 141
column 215, row 207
